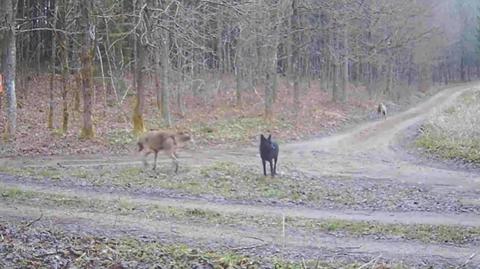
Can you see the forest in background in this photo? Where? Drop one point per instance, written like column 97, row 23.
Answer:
column 152, row 63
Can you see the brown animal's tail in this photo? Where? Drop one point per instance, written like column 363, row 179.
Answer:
column 379, row 109
column 140, row 146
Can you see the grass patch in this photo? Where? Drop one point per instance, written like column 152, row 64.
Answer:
column 15, row 193
column 454, row 133
column 152, row 210
column 37, row 173
column 238, row 129
column 120, row 137
column 235, row 181
column 421, row 232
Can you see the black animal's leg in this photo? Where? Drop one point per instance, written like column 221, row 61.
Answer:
column 275, row 166
column 155, row 160
column 271, row 168
column 264, row 169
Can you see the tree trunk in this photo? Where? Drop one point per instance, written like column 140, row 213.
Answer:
column 424, row 80
column 239, row 70
column 86, row 59
column 345, row 78
column 158, row 74
column 295, row 61
column 389, row 86
column 138, row 122
column 10, row 69
column 327, row 71
column 268, row 93
column 369, row 79
column 164, row 78
column 220, row 50
column 336, row 79
column 445, row 73
column 52, row 71
column 65, row 74
column 38, row 50
column 269, row 58
column 180, row 103
column 239, row 66
column 76, row 95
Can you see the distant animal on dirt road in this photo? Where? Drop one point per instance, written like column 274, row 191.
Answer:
column 155, row 141
column 382, row 109
column 269, row 152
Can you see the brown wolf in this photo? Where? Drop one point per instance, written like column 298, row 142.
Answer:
column 155, row 141
column 382, row 109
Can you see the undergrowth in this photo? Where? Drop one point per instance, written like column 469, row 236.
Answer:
column 454, row 133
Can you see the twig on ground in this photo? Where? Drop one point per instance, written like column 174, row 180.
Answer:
column 41, row 256
column 252, row 246
column 256, row 238
column 283, row 230
column 373, row 261
column 23, row 228
column 318, row 263
column 249, row 247
column 467, row 261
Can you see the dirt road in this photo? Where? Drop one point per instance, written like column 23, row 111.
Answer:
column 372, row 150
column 368, row 153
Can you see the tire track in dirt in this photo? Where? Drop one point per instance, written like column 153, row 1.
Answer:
column 299, row 242
column 407, row 218
column 368, row 150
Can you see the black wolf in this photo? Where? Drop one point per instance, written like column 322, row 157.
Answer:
column 269, row 152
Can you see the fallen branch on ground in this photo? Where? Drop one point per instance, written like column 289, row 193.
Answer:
column 249, row 247
column 374, row 262
column 23, row 228
column 467, row 261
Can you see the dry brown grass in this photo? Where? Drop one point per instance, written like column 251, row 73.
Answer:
column 454, row 133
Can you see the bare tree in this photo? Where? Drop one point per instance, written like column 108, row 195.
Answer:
column 140, row 55
column 52, row 66
column 9, row 66
column 86, row 57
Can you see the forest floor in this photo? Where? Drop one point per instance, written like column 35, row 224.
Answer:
column 212, row 116
column 353, row 199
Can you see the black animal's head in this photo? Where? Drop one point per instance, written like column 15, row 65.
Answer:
column 265, row 140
